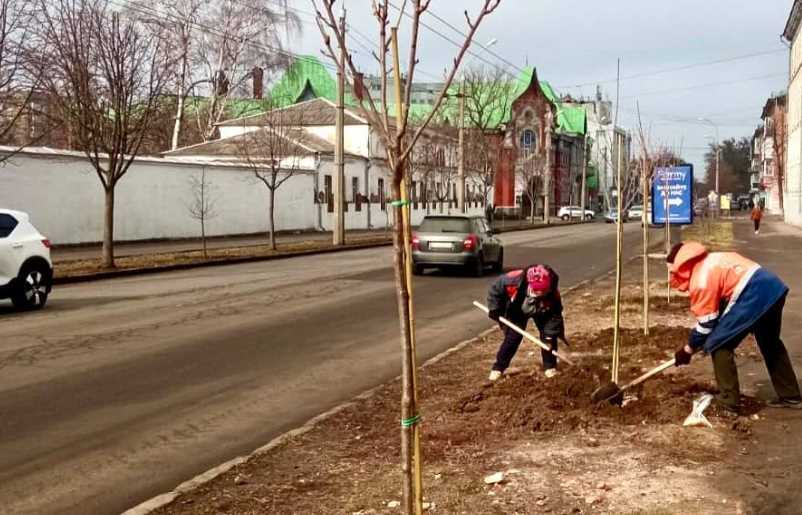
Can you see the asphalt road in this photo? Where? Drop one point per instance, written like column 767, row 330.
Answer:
column 122, row 389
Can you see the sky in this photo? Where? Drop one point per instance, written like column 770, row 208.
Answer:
column 575, row 45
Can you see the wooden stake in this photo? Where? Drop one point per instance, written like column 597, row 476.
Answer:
column 618, row 244
column 668, row 236
column 413, row 486
column 645, row 222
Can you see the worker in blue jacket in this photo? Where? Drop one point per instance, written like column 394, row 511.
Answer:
column 519, row 295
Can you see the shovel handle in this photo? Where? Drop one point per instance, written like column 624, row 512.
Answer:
column 525, row 334
column 650, row 373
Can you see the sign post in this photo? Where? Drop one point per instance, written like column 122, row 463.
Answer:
column 672, row 195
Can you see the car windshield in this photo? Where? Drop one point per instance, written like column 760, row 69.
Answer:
column 460, row 225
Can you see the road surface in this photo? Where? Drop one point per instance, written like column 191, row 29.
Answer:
column 122, row 389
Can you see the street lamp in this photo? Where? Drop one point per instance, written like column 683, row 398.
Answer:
column 718, row 146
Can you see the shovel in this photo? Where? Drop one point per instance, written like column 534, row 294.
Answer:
column 615, row 395
column 525, row 334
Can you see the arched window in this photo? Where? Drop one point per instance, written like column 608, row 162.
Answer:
column 528, row 141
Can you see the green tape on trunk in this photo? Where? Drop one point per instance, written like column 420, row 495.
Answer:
column 409, row 422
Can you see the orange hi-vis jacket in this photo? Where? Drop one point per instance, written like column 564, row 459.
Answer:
column 729, row 293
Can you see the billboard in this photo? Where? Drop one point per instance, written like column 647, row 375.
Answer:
column 672, row 189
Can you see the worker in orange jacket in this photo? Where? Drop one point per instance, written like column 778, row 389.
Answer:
column 731, row 297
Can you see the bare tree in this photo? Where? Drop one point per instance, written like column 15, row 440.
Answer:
column 529, row 177
column 398, row 139
column 202, row 207
column 779, row 142
column 274, row 154
column 238, row 36
column 19, row 75
column 106, row 75
column 488, row 96
column 177, row 24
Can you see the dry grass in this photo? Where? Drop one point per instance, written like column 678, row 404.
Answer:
column 88, row 267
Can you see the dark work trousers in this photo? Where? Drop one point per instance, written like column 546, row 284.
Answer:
column 757, row 225
column 512, row 341
column 767, row 333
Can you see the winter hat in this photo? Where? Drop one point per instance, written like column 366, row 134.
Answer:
column 539, row 279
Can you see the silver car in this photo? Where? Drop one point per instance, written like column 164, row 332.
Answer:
column 456, row 240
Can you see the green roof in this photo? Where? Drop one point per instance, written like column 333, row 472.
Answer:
column 306, row 76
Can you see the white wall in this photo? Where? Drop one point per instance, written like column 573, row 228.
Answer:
column 65, row 199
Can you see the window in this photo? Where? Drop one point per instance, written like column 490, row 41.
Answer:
column 7, row 225
column 382, row 198
column 413, row 192
column 355, row 193
column 528, row 140
column 445, row 224
column 329, row 193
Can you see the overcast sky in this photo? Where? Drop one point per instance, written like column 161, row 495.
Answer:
column 574, row 44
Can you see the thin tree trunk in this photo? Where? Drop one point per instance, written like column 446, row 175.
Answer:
column 408, row 408
column 272, row 212
column 108, row 228
column 203, row 238
column 179, row 114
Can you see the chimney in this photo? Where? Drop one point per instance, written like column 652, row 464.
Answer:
column 257, row 74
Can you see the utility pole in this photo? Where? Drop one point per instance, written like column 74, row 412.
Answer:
column 547, row 171
column 338, row 236
column 718, row 155
column 584, row 179
column 461, row 152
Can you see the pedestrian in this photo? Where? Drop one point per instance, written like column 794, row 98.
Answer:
column 731, row 297
column 757, row 215
column 490, row 210
column 519, row 295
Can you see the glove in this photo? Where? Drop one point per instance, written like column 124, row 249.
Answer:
column 682, row 357
column 494, row 314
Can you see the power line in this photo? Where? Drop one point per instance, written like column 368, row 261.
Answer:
column 708, row 85
column 452, row 41
column 681, row 68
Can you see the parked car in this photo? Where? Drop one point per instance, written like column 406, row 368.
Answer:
column 700, row 207
column 611, row 216
column 456, row 241
column 568, row 212
column 26, row 271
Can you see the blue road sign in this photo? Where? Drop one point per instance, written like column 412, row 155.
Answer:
column 676, row 182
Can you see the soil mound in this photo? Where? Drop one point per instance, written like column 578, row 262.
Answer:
column 530, row 402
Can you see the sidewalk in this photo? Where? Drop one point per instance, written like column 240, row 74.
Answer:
column 770, row 466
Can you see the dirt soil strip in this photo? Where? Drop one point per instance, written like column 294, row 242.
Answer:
column 557, row 452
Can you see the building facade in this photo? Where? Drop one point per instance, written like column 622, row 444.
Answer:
column 793, row 160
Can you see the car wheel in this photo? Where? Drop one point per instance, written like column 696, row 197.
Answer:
column 564, row 218
column 477, row 267
column 32, row 286
column 589, row 217
column 498, row 266
column 417, row 269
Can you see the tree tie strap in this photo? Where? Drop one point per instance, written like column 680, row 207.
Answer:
column 400, row 203
column 409, row 422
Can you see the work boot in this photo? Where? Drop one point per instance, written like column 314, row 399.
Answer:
column 551, row 372
column 785, row 403
column 495, row 375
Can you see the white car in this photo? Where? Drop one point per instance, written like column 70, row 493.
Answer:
column 568, row 212
column 635, row 212
column 26, row 271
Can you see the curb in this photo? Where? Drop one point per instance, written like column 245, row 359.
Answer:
column 117, row 274
column 164, row 499
column 161, row 500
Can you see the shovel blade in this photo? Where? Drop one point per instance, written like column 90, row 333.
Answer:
column 608, row 392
